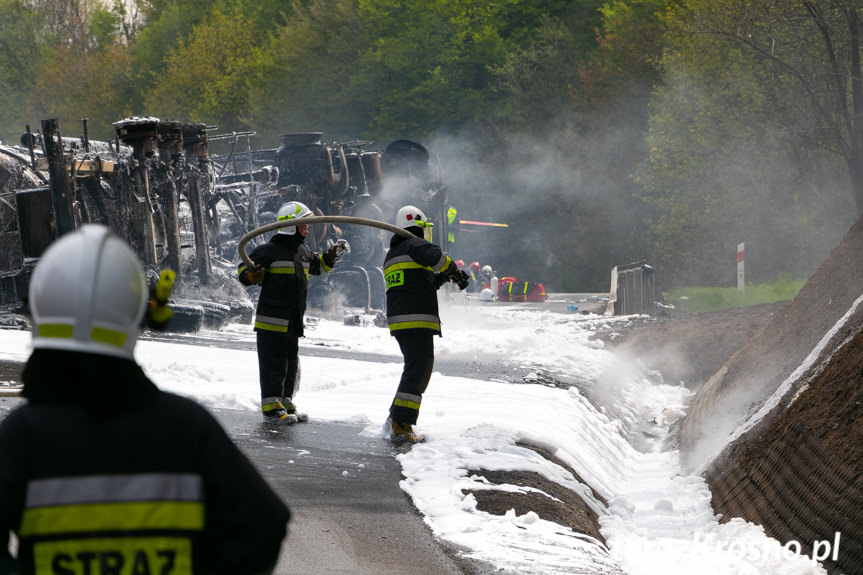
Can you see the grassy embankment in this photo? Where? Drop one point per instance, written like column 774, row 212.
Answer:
column 702, row 299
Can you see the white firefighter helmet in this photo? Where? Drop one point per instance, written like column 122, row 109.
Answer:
column 290, row 211
column 412, row 216
column 486, row 270
column 88, row 293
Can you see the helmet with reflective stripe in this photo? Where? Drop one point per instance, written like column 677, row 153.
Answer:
column 290, row 211
column 88, row 293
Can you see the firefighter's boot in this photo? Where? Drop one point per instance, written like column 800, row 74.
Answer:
column 276, row 413
column 402, row 432
column 291, row 408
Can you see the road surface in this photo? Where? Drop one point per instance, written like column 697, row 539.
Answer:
column 349, row 514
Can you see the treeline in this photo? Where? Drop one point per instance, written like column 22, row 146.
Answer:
column 602, row 132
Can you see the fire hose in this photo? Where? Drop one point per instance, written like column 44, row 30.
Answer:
column 241, row 247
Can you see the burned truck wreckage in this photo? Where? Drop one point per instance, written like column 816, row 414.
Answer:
column 181, row 207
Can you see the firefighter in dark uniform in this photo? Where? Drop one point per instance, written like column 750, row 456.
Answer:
column 100, row 471
column 414, row 270
column 282, row 268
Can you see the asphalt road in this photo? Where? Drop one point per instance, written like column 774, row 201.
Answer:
column 349, row 514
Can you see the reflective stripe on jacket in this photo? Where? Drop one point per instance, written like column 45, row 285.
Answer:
column 75, row 521
column 282, row 301
column 409, row 268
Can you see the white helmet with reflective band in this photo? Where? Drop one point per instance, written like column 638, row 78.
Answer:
column 290, row 211
column 410, row 216
column 88, row 293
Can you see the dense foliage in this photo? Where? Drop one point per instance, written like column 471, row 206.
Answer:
column 602, row 132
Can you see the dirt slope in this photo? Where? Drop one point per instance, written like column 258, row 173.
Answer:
column 799, row 472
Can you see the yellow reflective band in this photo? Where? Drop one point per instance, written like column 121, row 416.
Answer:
column 406, row 403
column 442, row 264
column 109, row 336
column 405, row 266
column 281, row 270
column 414, row 324
column 112, row 516
column 115, row 555
column 56, row 330
column 289, row 216
column 271, row 327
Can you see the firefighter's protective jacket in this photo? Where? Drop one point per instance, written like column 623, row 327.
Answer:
column 410, row 267
column 101, row 472
column 282, row 302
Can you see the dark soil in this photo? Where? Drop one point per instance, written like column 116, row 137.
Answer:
column 568, row 510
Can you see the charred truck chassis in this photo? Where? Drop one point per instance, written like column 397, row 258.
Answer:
column 159, row 188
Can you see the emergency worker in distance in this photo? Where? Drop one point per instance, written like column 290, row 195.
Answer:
column 100, row 471
column 282, row 268
column 475, row 277
column 414, row 270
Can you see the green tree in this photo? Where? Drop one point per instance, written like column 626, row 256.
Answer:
column 807, row 55
column 308, row 66
column 19, row 58
column 207, row 77
column 535, row 80
column 572, row 124
column 428, row 65
column 731, row 153
column 63, row 59
column 98, row 84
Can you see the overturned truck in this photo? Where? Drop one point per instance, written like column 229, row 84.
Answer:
column 158, row 186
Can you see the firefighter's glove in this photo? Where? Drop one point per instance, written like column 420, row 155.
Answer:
column 256, row 275
column 451, row 272
column 158, row 312
column 456, row 276
column 439, row 280
column 462, row 279
column 332, row 255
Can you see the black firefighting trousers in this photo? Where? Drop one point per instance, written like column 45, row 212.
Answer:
column 278, row 363
column 418, row 353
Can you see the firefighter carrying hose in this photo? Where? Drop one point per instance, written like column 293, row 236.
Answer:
column 100, row 471
column 414, row 270
column 282, row 268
